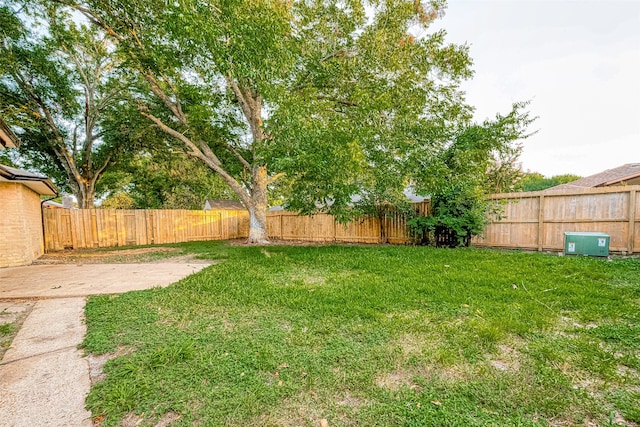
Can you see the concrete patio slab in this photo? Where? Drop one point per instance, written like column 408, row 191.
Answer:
column 71, row 280
column 44, row 378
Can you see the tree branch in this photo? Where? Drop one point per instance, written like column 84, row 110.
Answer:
column 101, row 170
column 157, row 90
column 239, row 156
column 175, row 91
column 251, row 105
column 213, row 162
column 59, row 148
column 93, row 18
column 275, row 177
column 246, row 109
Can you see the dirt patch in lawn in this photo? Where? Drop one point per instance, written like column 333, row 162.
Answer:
column 97, row 362
column 12, row 315
column 134, row 420
column 121, row 256
column 278, row 242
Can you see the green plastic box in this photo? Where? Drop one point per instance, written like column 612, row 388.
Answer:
column 586, row 243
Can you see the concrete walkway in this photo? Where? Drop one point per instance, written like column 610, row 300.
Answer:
column 44, row 378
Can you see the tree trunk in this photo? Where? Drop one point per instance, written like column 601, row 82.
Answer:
column 86, row 195
column 258, row 208
column 381, row 214
column 383, row 232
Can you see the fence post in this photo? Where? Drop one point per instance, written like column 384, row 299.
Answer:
column 540, row 223
column 632, row 220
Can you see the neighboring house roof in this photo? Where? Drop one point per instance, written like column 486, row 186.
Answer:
column 40, row 184
column 8, row 139
column 212, row 204
column 52, row 205
column 409, row 194
column 609, row 177
column 413, row 198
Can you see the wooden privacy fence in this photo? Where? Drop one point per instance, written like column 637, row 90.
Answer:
column 285, row 225
column 103, row 228
column 535, row 220
column 538, row 220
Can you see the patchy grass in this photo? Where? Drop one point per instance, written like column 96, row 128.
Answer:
column 364, row 335
column 12, row 315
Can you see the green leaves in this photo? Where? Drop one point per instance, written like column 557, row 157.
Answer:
column 57, row 84
column 478, row 161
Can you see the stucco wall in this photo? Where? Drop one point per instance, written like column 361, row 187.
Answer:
column 20, row 225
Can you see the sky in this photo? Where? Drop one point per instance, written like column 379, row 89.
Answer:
column 577, row 61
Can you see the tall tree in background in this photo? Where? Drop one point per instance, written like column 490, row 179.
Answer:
column 311, row 92
column 505, row 171
column 153, row 172
column 55, row 85
column 161, row 180
column 534, row 181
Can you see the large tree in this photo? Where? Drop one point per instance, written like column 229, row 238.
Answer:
column 56, row 84
column 311, row 92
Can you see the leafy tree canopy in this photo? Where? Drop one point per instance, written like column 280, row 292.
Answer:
column 57, row 82
column 329, row 97
column 162, row 180
column 534, row 181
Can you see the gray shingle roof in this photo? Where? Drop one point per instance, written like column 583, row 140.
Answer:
column 38, row 183
column 212, row 204
column 603, row 179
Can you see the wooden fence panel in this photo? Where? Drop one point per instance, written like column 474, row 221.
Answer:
column 104, row 228
column 274, row 225
column 286, row 225
column 539, row 219
column 519, row 226
column 364, row 230
column 529, row 221
column 395, row 229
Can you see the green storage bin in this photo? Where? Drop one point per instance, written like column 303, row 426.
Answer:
column 586, row 243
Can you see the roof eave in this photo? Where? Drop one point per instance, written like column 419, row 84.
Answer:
column 41, row 185
column 617, row 180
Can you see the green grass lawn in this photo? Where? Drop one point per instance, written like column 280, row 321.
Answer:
column 374, row 335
